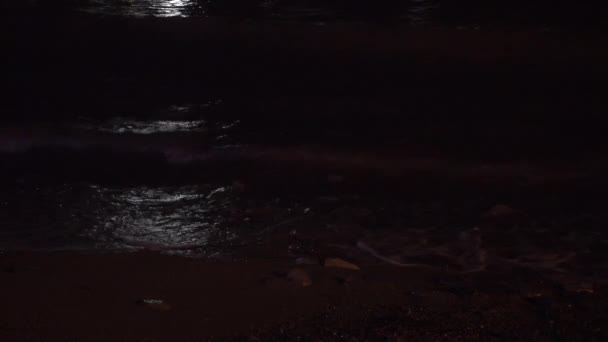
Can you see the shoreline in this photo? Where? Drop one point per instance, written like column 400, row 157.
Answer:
column 479, row 153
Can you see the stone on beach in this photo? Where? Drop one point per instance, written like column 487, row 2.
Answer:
column 307, row 261
column 299, row 276
column 154, row 304
column 340, row 263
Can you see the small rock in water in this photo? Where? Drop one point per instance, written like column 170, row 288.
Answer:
column 307, row 261
column 299, row 276
column 155, row 304
column 340, row 263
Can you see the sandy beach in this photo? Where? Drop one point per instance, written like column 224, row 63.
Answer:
column 87, row 297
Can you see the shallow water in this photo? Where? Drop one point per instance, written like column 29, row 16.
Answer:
column 292, row 208
column 135, row 181
column 88, row 216
column 231, row 220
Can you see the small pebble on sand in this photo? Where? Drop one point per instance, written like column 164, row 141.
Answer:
column 299, row 276
column 340, row 263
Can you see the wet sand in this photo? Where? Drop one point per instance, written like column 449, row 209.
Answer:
column 88, row 297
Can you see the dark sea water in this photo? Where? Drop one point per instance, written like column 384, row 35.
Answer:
column 470, row 13
column 181, row 181
column 226, row 178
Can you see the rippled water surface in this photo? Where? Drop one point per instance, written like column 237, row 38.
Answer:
column 535, row 13
column 416, row 11
column 158, row 8
column 151, row 127
column 227, row 220
column 159, row 217
column 91, row 216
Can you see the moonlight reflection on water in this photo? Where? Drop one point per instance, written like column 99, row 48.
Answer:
column 161, row 217
column 157, row 8
column 151, row 127
column 171, row 8
column 414, row 11
column 68, row 216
